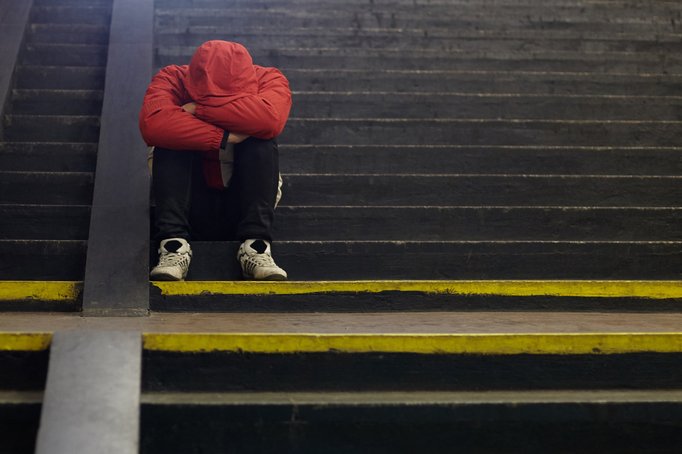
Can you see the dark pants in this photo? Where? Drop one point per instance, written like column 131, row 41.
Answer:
column 187, row 208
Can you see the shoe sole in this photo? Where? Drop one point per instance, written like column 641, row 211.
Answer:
column 271, row 277
column 164, row 277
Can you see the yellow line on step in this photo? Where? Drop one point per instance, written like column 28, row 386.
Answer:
column 584, row 288
column 40, row 290
column 25, row 341
column 481, row 344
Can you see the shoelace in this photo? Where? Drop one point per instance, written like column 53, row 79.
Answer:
column 173, row 259
column 256, row 260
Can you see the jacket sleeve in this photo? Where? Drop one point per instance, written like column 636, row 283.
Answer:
column 262, row 115
column 163, row 121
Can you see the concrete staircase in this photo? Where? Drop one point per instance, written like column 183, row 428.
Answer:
column 50, row 135
column 507, row 141
column 481, row 221
column 463, row 140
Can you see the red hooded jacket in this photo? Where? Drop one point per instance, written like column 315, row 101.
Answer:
column 231, row 94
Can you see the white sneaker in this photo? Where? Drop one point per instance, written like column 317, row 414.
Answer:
column 257, row 263
column 174, row 257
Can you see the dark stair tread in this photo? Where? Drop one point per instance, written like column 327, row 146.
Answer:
column 56, row 102
column 48, row 157
column 171, row 19
column 64, row 54
column 23, row 371
column 19, row 422
column 480, row 190
column 578, row 17
column 575, row 426
column 419, row 39
column 53, row 222
column 428, row 159
column 106, row 3
column 67, row 34
column 477, row 223
column 484, row 4
column 405, row 399
column 52, row 260
column 177, row 35
column 444, row 131
column 60, row 77
column 52, row 188
column 356, row 104
column 338, row 260
column 345, row 58
column 571, row 83
column 71, row 14
column 52, row 128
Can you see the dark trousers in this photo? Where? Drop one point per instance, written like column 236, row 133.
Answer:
column 187, row 208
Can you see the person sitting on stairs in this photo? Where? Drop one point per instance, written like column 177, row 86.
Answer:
column 215, row 171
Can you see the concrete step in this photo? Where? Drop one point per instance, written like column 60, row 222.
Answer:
column 60, row 77
column 72, row 2
column 481, row 190
column 75, row 13
column 48, row 157
column 473, row 224
column 379, row 422
column 64, row 54
column 453, row 159
column 578, row 18
column 462, row 4
column 559, row 83
column 23, row 361
column 57, row 102
column 35, row 295
column 19, row 420
column 24, row 370
column 50, row 188
column 452, row 104
column 476, row 131
column 425, row 59
column 103, row 3
column 400, row 298
column 67, row 34
column 45, row 260
column 445, row 39
column 51, row 128
column 403, row 297
column 329, row 361
column 351, row 260
column 179, row 35
column 38, row 222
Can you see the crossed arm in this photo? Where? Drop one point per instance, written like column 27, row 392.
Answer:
column 170, row 119
column 233, row 137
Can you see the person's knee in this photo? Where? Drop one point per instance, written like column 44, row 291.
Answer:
column 258, row 150
column 265, row 145
column 166, row 154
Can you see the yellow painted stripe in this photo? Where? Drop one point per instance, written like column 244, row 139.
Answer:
column 25, row 341
column 592, row 289
column 40, row 290
column 485, row 344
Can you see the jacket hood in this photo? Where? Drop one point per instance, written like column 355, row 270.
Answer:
column 220, row 72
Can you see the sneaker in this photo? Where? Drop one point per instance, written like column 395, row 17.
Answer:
column 257, row 263
column 174, row 257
